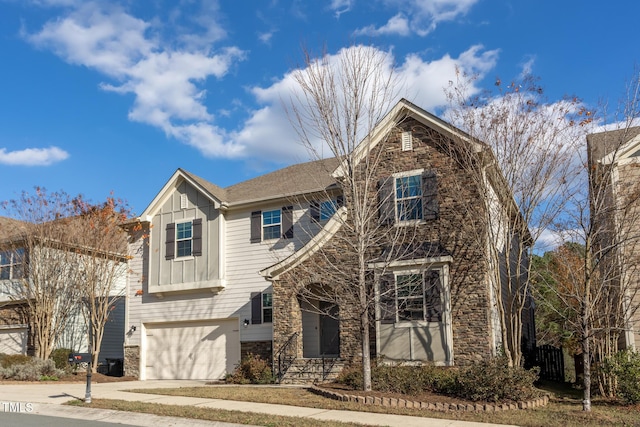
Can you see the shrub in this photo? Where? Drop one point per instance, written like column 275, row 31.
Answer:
column 493, row 380
column 8, row 360
column 625, row 366
column 251, row 370
column 34, row 370
column 490, row 380
column 60, row 357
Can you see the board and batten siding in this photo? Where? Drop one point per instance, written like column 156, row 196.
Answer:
column 191, row 269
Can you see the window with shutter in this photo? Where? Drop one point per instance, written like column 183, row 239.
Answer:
column 386, row 200
column 411, row 296
column 287, row 222
column 170, row 246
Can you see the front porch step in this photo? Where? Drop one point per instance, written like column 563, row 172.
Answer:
column 312, row 371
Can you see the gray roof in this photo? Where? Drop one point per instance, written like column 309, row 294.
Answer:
column 10, row 228
column 302, row 178
column 602, row 143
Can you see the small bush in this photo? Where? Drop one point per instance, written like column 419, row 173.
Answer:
column 34, row 370
column 625, row 366
column 491, row 380
column 251, row 370
column 494, row 381
column 60, row 357
column 8, row 360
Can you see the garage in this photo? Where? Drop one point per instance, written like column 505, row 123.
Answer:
column 13, row 339
column 192, row 350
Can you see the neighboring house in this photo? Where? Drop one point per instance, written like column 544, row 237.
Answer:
column 614, row 156
column 16, row 335
column 218, row 273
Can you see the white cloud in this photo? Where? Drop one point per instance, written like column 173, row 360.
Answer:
column 164, row 81
column 398, row 25
column 418, row 16
column 341, row 6
column 269, row 134
column 33, row 156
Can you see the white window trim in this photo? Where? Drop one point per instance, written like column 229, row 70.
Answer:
column 405, row 174
column 421, row 265
column 185, row 257
column 262, row 225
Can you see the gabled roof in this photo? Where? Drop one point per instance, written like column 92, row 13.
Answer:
column 216, row 194
column 401, row 110
column 614, row 145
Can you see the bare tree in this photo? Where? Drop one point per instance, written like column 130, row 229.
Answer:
column 47, row 281
column 102, row 261
column 600, row 293
column 341, row 100
column 532, row 146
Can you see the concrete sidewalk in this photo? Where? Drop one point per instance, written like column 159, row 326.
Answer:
column 47, row 399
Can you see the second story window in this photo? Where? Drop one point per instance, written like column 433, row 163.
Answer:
column 11, row 264
column 183, row 239
column 271, row 221
column 184, row 235
column 409, row 198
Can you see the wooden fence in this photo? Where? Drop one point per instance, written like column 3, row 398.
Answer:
column 551, row 362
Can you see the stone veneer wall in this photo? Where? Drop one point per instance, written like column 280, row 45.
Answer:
column 263, row 349
column 456, row 230
column 132, row 361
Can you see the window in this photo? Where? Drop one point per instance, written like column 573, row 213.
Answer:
column 409, row 198
column 183, row 239
column 267, row 308
column 271, row 222
column 410, row 297
column 11, row 264
column 324, row 210
column 261, row 308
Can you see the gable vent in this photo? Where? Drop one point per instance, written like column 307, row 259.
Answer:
column 184, row 202
column 407, row 141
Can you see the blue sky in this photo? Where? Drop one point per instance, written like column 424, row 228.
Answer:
column 101, row 97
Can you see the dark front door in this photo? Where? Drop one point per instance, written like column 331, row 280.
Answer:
column 329, row 329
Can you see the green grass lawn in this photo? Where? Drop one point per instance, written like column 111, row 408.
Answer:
column 565, row 410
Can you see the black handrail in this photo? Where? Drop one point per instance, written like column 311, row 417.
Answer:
column 286, row 355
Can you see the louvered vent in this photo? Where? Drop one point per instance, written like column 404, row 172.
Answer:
column 184, row 202
column 407, row 141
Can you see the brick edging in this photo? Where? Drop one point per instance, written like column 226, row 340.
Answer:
column 404, row 403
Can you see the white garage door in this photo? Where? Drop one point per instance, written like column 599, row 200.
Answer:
column 13, row 340
column 192, row 350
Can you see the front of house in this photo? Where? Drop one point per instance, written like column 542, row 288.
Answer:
column 263, row 266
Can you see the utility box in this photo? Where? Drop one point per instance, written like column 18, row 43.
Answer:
column 75, row 358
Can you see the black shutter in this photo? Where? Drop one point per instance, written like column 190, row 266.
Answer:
column 287, row 222
column 170, row 243
column 432, row 297
column 430, row 209
column 314, row 211
column 386, row 200
column 197, row 237
column 256, row 308
column 256, row 227
column 339, row 202
column 387, row 298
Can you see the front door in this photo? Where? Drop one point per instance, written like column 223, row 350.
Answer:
column 329, row 329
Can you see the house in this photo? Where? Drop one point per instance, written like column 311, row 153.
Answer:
column 218, row 273
column 20, row 252
column 614, row 160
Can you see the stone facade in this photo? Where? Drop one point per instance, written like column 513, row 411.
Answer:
column 263, row 349
column 456, row 230
column 131, row 361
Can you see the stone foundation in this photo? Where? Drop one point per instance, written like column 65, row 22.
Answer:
column 263, row 349
column 132, row 361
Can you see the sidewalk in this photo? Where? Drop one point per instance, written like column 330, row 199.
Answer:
column 47, row 399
